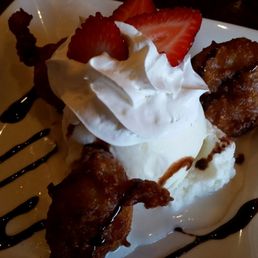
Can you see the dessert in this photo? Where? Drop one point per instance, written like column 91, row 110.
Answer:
column 142, row 106
column 187, row 162
column 142, row 102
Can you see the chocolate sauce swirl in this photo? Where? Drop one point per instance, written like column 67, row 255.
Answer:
column 14, row 150
column 19, row 109
column 28, row 168
column 244, row 215
column 6, row 240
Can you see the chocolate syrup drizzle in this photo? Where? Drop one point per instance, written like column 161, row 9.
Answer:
column 23, row 145
column 6, row 240
column 203, row 163
column 28, row 168
column 244, row 215
column 20, row 108
column 176, row 166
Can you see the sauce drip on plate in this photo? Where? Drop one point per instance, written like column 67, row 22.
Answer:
column 19, row 109
column 6, row 240
column 244, row 215
column 28, row 168
column 14, row 150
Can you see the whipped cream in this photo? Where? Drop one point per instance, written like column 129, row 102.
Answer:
column 133, row 101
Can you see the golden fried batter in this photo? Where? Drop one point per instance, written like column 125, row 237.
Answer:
column 230, row 71
column 91, row 209
column 81, row 205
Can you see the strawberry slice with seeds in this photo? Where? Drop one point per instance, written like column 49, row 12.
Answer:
column 131, row 8
column 97, row 34
column 171, row 30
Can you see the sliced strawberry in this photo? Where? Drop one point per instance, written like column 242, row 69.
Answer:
column 97, row 34
column 171, row 30
column 131, row 8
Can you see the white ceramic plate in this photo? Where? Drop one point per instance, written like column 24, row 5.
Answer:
column 53, row 20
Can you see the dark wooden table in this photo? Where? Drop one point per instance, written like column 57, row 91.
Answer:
column 240, row 12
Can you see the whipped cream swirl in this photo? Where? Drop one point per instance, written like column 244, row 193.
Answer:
column 132, row 101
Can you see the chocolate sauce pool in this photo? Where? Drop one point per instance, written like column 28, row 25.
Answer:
column 6, row 240
column 31, row 166
column 244, row 215
column 20, row 108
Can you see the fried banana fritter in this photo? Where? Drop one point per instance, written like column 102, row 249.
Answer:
column 91, row 209
column 231, row 73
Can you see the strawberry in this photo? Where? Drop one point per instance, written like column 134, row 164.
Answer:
column 171, row 30
column 131, row 8
column 97, row 34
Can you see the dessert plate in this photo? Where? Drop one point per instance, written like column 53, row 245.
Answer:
column 53, row 20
